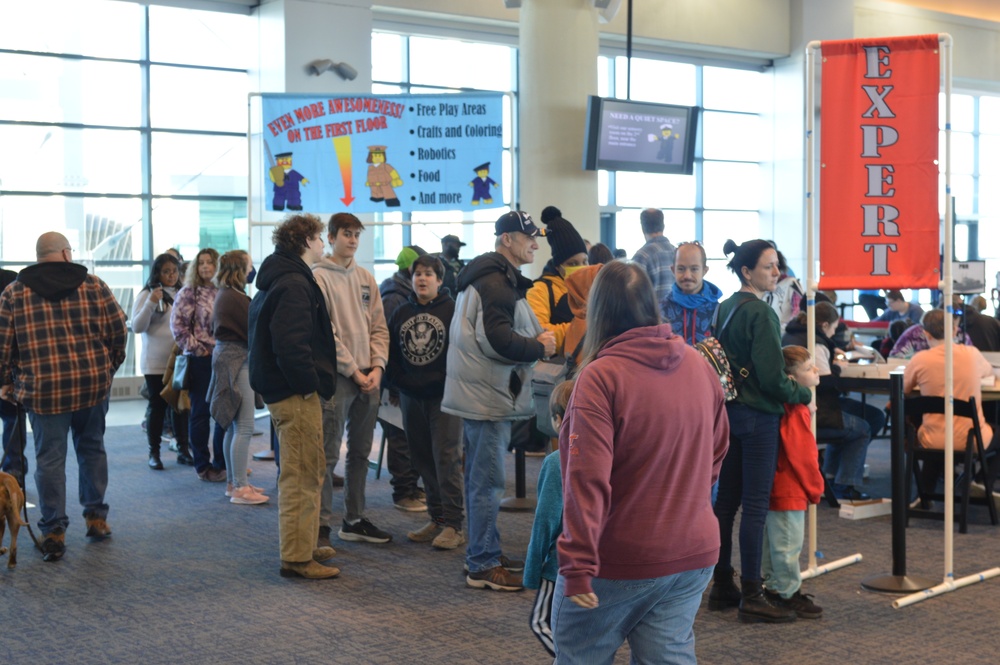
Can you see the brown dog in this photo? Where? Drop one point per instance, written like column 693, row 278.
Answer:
column 11, row 505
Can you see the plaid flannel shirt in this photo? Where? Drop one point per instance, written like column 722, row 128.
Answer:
column 657, row 257
column 61, row 354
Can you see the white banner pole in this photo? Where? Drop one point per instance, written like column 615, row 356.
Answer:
column 812, row 48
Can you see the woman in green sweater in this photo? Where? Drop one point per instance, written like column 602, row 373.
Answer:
column 751, row 338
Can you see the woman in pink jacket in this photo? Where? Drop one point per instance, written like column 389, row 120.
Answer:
column 643, row 441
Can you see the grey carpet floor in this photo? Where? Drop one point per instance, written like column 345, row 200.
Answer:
column 190, row 578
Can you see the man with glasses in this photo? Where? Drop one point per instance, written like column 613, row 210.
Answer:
column 691, row 302
column 495, row 340
column 62, row 337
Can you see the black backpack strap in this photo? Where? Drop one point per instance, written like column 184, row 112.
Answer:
column 739, row 373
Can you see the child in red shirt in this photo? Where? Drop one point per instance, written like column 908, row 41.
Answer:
column 797, row 483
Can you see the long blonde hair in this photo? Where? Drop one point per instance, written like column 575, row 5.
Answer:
column 191, row 277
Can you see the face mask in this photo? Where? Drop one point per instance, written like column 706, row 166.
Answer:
column 569, row 270
column 251, row 275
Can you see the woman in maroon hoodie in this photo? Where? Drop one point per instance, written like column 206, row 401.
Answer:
column 643, row 440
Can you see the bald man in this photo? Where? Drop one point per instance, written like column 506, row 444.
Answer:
column 62, row 336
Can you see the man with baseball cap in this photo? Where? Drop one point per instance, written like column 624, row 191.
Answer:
column 495, row 340
column 450, row 247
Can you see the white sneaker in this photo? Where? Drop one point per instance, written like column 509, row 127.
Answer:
column 247, row 497
column 449, row 539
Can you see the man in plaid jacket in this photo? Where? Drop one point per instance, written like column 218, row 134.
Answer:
column 62, row 336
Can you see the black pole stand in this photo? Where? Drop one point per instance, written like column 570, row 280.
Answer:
column 899, row 581
column 520, row 501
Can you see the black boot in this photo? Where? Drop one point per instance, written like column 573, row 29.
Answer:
column 154, row 457
column 184, row 454
column 724, row 593
column 756, row 607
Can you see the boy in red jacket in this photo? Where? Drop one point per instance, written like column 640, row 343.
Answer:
column 797, row 483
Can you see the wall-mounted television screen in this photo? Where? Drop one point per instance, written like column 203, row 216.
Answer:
column 638, row 136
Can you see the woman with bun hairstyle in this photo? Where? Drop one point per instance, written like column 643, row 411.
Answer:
column 751, row 336
column 547, row 297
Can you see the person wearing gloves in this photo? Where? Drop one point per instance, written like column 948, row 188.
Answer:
column 547, row 296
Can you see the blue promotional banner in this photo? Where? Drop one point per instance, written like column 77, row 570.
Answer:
column 379, row 153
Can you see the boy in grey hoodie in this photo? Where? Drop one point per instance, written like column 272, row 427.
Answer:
column 362, row 337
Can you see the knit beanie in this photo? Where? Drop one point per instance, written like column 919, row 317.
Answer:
column 408, row 255
column 563, row 238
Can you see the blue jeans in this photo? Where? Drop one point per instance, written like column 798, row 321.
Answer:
column 746, row 478
column 87, row 427
column 655, row 615
column 13, row 461
column 783, row 537
column 199, row 424
column 848, row 447
column 485, row 478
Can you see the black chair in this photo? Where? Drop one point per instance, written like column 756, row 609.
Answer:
column 972, row 457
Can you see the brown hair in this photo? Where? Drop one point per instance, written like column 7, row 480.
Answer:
column 232, row 270
column 933, row 323
column 559, row 399
column 825, row 313
column 746, row 255
column 428, row 261
column 794, row 356
column 191, row 277
column 622, row 298
column 343, row 220
column 295, row 232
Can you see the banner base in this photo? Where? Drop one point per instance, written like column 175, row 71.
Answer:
column 897, row 583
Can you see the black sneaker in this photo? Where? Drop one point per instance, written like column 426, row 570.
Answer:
column 850, row 493
column 54, row 546
column 363, row 532
column 802, row 603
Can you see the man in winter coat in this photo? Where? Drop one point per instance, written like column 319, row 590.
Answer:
column 291, row 366
column 495, row 340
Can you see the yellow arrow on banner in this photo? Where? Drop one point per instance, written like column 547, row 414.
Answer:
column 342, row 146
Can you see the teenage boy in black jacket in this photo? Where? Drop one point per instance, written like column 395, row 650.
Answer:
column 291, row 360
column 418, row 350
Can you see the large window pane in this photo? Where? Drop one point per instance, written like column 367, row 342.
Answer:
column 456, row 64
column 51, row 159
column 989, row 115
column 962, row 157
column 962, row 112
column 735, row 89
column 185, row 98
column 722, row 226
column 97, row 228
column 962, row 190
column 989, row 155
column 42, row 89
column 215, row 39
column 83, row 27
column 732, row 136
column 656, row 81
column 199, row 165
column 387, row 57
column 190, row 225
column 732, row 185
column 387, row 236
column 678, row 226
column 429, row 227
column 654, row 190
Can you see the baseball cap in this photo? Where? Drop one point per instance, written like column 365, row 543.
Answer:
column 517, row 221
column 452, row 239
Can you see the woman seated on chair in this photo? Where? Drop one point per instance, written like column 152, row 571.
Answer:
column 845, row 424
column 926, row 372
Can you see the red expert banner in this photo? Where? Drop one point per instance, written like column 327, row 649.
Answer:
column 879, row 225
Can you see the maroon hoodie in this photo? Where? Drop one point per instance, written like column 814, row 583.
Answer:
column 644, row 438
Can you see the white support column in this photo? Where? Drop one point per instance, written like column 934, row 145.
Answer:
column 557, row 71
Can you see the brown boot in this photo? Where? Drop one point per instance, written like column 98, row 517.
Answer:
column 308, row 569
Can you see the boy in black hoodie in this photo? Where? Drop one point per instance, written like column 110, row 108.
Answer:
column 418, row 350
